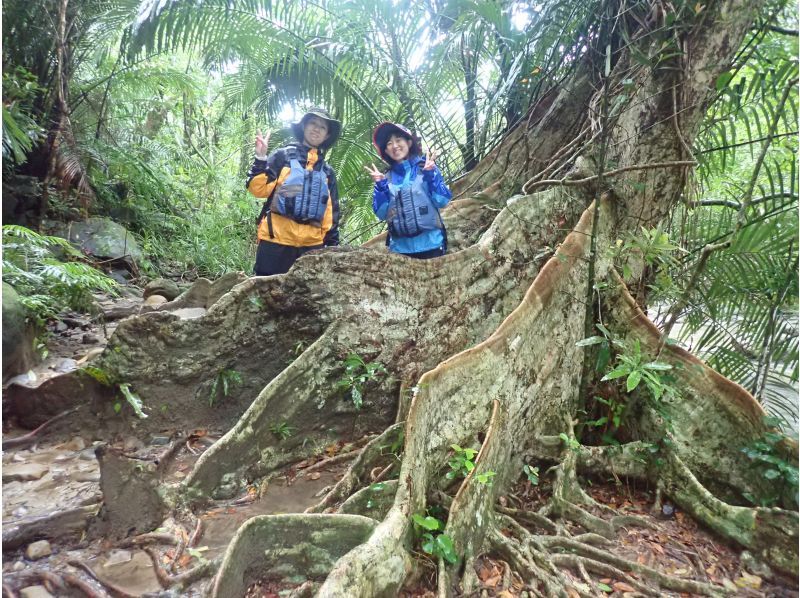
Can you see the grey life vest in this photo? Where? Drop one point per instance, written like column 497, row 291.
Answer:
column 411, row 209
column 303, row 195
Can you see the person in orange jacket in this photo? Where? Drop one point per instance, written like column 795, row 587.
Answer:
column 301, row 211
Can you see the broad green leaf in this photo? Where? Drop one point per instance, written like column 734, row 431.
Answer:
column 134, row 400
column 428, row 522
column 633, row 380
column 592, row 340
column 445, row 545
column 657, row 365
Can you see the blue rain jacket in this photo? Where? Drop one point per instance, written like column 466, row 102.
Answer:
column 440, row 195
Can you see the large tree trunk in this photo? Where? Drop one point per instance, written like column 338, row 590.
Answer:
column 481, row 344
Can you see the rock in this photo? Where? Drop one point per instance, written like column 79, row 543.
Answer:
column 118, row 557
column 38, row 550
column 65, row 365
column 87, row 476
column 162, row 286
column 18, row 566
column 24, row 472
column 159, row 440
column 60, row 326
column 87, row 455
column 27, row 379
column 105, row 239
column 189, row 313
column 75, row 321
column 154, row 300
column 755, row 566
column 17, row 458
column 121, row 275
column 76, row 444
column 59, row 474
column 18, row 352
column 35, row 592
column 132, row 445
column 120, row 309
column 90, row 339
column 19, row 512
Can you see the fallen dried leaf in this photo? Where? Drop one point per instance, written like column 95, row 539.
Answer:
column 621, row 586
column 314, row 476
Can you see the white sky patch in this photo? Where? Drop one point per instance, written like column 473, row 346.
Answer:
column 288, row 113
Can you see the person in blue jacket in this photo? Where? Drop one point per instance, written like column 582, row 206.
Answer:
column 409, row 196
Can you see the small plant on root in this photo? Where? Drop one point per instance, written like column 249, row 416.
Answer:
column 357, row 373
column 433, row 541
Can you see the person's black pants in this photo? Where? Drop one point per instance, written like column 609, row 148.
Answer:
column 274, row 258
column 426, row 255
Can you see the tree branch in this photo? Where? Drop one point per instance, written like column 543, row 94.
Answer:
column 575, row 182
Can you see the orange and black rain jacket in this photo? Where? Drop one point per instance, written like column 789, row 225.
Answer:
column 262, row 179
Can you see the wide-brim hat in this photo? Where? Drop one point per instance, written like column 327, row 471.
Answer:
column 334, row 127
column 381, row 134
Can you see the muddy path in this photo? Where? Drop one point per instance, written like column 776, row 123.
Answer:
column 52, row 496
column 52, row 490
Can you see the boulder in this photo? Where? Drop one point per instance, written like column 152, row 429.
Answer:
column 18, row 336
column 162, row 286
column 38, row 550
column 104, row 239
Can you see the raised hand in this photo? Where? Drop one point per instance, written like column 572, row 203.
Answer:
column 430, row 160
column 262, row 143
column 376, row 174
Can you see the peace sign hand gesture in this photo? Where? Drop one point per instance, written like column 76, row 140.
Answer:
column 376, row 174
column 430, row 160
column 262, row 143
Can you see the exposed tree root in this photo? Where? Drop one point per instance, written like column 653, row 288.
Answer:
column 150, row 538
column 33, row 434
column 529, row 517
column 355, row 476
column 445, row 412
column 666, row 581
column 300, row 544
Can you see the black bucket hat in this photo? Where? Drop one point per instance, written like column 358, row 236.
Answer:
column 334, row 127
column 381, row 134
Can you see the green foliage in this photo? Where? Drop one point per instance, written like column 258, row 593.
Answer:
column 771, row 460
column 634, row 367
column 99, row 374
column 357, row 373
column 224, row 382
column 433, row 541
column 532, row 473
column 461, row 463
column 486, row 478
column 742, row 315
column 282, row 430
column 20, row 129
column 570, row 442
column 46, row 284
